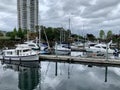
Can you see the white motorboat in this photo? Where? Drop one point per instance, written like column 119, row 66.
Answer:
column 42, row 48
column 77, row 45
column 22, row 52
column 102, row 48
column 32, row 45
column 62, row 49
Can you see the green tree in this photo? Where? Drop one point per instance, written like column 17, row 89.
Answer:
column 14, row 33
column 91, row 37
column 37, row 28
column 25, row 31
column 1, row 34
column 102, row 34
column 50, row 33
column 8, row 34
column 69, row 33
column 109, row 34
column 20, row 33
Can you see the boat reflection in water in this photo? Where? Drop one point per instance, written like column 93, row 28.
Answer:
column 28, row 74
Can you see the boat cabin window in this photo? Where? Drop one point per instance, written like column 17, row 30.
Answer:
column 92, row 44
column 26, row 50
column 31, row 45
column 9, row 53
column 18, row 52
column 97, row 46
column 104, row 47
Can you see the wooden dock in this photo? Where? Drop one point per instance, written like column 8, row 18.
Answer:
column 72, row 59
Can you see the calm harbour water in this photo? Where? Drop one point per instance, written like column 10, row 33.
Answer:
column 46, row 76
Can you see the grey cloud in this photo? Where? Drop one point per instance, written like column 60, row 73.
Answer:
column 101, row 5
column 71, row 6
column 91, row 13
column 8, row 13
column 8, row 7
column 100, row 13
column 104, row 4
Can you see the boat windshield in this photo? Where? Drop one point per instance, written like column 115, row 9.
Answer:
column 97, row 46
column 104, row 47
column 92, row 45
column 32, row 45
column 26, row 50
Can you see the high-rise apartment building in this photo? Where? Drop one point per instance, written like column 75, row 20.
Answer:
column 28, row 14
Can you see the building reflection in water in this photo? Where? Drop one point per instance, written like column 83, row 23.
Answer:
column 28, row 76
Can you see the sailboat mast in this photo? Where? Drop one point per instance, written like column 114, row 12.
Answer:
column 47, row 39
column 69, row 28
column 27, row 35
column 39, row 35
column 60, row 36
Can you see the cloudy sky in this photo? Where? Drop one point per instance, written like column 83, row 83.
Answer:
column 87, row 16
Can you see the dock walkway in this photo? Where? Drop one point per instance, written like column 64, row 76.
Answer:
column 73, row 59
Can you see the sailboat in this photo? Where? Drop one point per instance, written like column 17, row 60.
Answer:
column 62, row 48
column 42, row 48
column 36, row 44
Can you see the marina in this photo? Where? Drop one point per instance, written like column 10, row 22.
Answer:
column 60, row 45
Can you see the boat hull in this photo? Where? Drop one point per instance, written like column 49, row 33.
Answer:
column 100, row 50
column 44, row 52
column 21, row 58
column 62, row 52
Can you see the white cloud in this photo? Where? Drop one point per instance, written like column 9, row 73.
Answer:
column 93, row 14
